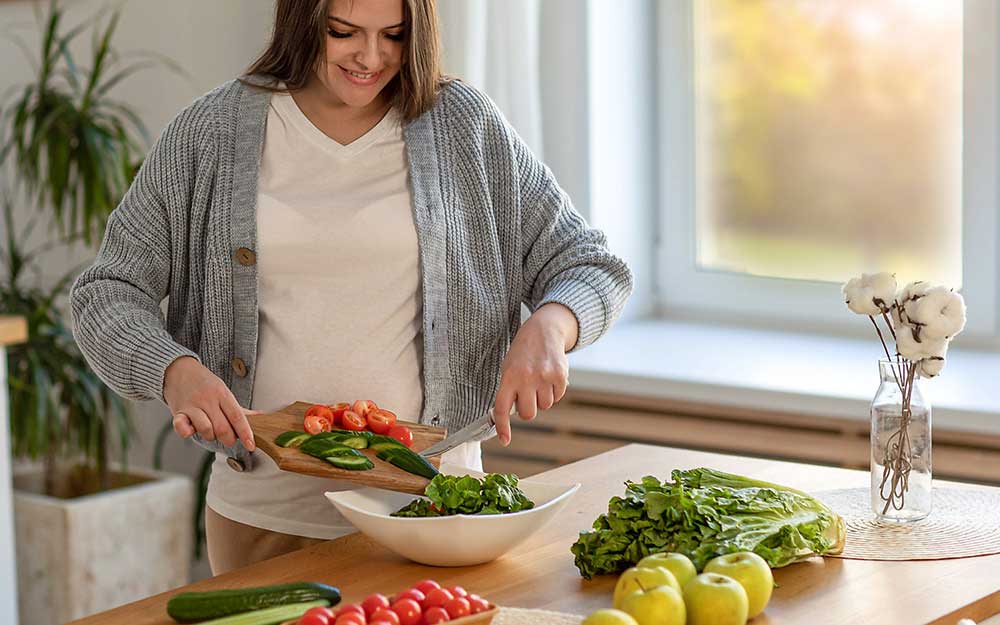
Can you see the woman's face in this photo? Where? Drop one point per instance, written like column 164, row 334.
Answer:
column 364, row 49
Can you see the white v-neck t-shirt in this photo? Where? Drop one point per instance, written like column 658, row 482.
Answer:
column 339, row 303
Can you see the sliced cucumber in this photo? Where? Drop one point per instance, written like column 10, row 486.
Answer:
column 396, row 453
column 291, row 439
column 322, row 448
column 351, row 462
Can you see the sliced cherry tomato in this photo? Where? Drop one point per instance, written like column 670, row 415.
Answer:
column 436, row 615
column 315, row 424
column 458, row 607
column 402, row 434
column 373, row 603
column 458, row 591
column 352, row 421
column 351, row 618
column 349, row 609
column 437, row 597
column 381, row 420
column 411, row 593
column 338, row 412
column 408, row 611
column 322, row 411
column 478, row 604
column 384, row 615
column 363, row 407
column 427, row 585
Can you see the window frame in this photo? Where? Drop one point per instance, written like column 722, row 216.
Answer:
column 685, row 291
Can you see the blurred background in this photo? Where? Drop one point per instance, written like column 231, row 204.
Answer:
column 746, row 157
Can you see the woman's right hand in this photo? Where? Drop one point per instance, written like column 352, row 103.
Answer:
column 201, row 402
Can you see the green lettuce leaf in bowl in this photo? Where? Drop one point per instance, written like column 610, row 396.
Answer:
column 495, row 493
column 704, row 513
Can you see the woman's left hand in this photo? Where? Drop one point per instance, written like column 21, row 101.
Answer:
column 535, row 371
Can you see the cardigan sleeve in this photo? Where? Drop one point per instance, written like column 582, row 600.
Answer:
column 118, row 323
column 564, row 259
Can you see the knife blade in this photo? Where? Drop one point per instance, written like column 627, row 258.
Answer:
column 483, row 428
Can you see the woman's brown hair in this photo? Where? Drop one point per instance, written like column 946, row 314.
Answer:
column 298, row 41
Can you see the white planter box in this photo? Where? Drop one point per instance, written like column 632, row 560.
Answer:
column 79, row 556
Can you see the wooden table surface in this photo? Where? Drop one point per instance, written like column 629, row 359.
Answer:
column 540, row 572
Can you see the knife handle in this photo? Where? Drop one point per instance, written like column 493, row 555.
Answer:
column 237, row 456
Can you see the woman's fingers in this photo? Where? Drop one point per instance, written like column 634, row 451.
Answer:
column 202, row 424
column 501, row 412
column 546, row 396
column 527, row 403
column 220, row 423
column 237, row 416
column 182, row 425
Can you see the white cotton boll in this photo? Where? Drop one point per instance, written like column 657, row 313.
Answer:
column 870, row 294
column 883, row 287
column 914, row 350
column 940, row 311
column 914, row 289
column 930, row 367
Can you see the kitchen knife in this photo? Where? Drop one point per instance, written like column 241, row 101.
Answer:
column 237, row 456
column 483, row 428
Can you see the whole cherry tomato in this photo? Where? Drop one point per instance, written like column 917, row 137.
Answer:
column 437, row 597
column 426, row 585
column 384, row 615
column 408, row 610
column 411, row 593
column 373, row 603
column 458, row 607
column 436, row 615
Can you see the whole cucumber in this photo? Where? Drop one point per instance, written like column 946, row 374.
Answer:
column 188, row 607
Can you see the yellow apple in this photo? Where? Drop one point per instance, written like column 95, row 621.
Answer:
column 662, row 605
column 751, row 571
column 634, row 579
column 714, row 599
column 677, row 563
column 609, row 617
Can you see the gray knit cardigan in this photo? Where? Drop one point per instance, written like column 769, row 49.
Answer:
column 494, row 230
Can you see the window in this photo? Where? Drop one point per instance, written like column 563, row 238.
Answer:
column 804, row 142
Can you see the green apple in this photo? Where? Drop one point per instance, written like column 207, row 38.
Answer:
column 609, row 617
column 634, row 579
column 714, row 599
column 751, row 571
column 662, row 605
column 677, row 563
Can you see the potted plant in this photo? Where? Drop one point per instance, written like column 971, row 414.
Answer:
column 75, row 150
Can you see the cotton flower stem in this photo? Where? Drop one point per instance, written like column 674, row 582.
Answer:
column 886, row 347
column 897, row 463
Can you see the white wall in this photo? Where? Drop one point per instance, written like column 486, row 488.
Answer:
column 213, row 41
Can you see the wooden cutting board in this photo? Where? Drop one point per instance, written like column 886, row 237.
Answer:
column 267, row 427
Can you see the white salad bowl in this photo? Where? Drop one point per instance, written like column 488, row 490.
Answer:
column 458, row 540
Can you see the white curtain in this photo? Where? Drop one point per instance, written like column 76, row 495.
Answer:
column 493, row 45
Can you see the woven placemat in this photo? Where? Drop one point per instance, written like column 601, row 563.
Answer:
column 962, row 524
column 519, row 616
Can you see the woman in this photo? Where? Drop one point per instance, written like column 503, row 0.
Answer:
column 341, row 223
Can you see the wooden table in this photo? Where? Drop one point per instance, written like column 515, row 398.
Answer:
column 540, row 572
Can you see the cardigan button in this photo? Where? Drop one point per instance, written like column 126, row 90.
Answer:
column 245, row 256
column 239, row 367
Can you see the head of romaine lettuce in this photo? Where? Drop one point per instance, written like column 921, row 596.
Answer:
column 704, row 513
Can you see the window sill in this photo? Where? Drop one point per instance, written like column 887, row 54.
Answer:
column 780, row 371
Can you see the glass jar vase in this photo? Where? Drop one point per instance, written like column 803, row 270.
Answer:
column 900, row 446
